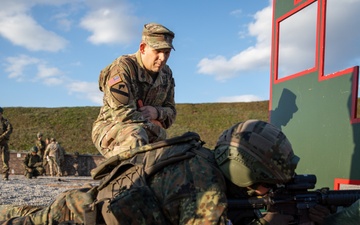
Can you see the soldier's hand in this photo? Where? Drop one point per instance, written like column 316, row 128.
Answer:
column 275, row 218
column 149, row 112
column 318, row 213
column 157, row 122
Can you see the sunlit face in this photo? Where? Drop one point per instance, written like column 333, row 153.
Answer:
column 154, row 59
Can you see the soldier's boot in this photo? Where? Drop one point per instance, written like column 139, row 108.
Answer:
column 6, row 176
column 28, row 175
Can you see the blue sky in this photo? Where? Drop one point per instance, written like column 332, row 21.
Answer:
column 52, row 52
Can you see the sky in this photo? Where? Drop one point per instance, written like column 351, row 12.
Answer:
column 52, row 52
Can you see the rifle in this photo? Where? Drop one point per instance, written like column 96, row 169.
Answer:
column 292, row 198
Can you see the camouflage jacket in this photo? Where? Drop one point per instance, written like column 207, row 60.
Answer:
column 125, row 81
column 41, row 145
column 5, row 130
column 31, row 161
column 53, row 149
column 184, row 178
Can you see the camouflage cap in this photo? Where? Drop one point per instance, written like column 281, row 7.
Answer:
column 39, row 134
column 158, row 36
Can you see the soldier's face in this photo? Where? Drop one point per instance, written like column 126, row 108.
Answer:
column 154, row 59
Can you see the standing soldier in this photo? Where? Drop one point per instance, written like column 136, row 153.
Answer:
column 33, row 164
column 52, row 155
column 5, row 131
column 40, row 144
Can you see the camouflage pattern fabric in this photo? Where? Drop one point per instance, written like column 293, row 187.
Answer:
column 158, row 36
column 33, row 166
column 191, row 192
column 68, row 206
column 187, row 185
column 120, row 125
column 52, row 154
column 5, row 131
column 41, row 145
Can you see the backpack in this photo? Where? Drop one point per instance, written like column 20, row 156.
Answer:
column 123, row 190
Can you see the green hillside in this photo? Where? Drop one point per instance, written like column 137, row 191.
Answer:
column 71, row 126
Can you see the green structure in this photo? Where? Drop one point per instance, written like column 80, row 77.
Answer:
column 312, row 101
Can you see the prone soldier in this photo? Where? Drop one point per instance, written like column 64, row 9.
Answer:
column 178, row 181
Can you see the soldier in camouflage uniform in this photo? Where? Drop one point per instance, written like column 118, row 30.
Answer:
column 53, row 155
column 40, row 144
column 33, row 164
column 177, row 181
column 5, row 131
column 138, row 102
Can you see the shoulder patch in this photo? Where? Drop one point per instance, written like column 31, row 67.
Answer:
column 120, row 92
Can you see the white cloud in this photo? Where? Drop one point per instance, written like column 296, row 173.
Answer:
column 15, row 66
column 111, row 22
column 254, row 57
column 88, row 90
column 21, row 29
column 240, row 98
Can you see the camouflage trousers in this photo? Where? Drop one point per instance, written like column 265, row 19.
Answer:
column 112, row 138
column 5, row 157
column 68, row 206
column 35, row 171
column 54, row 166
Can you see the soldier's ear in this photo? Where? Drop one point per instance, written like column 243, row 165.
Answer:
column 142, row 47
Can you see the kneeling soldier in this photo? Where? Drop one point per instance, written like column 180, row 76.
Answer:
column 33, row 164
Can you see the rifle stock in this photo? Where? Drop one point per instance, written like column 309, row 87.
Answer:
column 294, row 199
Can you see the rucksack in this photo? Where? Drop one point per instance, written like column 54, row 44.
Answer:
column 123, row 190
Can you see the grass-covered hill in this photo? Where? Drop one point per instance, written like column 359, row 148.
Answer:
column 71, row 126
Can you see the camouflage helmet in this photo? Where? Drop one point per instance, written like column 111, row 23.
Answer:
column 34, row 149
column 39, row 134
column 255, row 151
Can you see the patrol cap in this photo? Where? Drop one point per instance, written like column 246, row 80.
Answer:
column 34, row 149
column 1, row 110
column 158, row 36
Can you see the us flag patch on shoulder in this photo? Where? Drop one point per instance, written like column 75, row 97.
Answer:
column 114, row 80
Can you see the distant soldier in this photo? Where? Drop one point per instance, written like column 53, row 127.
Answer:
column 33, row 164
column 52, row 155
column 5, row 131
column 40, row 144
column 61, row 158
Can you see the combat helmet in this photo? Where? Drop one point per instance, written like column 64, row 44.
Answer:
column 34, row 149
column 254, row 152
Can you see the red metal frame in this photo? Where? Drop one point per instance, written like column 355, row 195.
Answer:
column 319, row 55
column 339, row 181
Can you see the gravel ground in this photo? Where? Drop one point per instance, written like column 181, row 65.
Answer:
column 19, row 190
